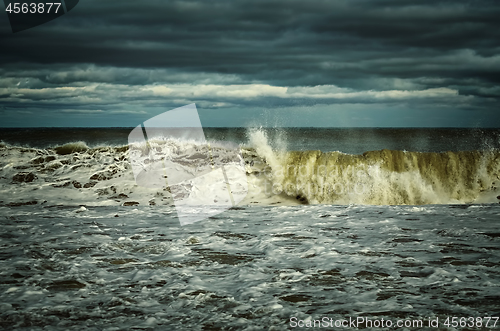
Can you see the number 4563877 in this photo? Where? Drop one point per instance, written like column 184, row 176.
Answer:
column 33, row 8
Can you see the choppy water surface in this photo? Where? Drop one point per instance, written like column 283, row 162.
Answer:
column 255, row 267
column 340, row 224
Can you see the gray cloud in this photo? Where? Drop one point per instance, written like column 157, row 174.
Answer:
column 104, row 55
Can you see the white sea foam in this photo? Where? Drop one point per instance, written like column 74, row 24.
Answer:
column 250, row 268
column 77, row 174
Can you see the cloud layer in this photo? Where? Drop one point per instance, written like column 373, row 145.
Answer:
column 130, row 57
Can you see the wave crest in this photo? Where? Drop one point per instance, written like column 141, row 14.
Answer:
column 103, row 175
column 383, row 177
column 70, row 148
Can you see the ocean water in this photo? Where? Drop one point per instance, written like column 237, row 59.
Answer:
column 367, row 226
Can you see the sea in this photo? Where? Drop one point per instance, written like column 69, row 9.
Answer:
column 330, row 228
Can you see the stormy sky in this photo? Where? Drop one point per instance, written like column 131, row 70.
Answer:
column 330, row 63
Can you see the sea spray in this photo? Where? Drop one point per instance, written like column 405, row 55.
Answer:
column 258, row 140
column 384, row 177
column 103, row 175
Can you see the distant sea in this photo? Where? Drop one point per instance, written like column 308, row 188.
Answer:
column 347, row 140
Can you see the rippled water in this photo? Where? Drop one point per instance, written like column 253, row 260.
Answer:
column 250, row 268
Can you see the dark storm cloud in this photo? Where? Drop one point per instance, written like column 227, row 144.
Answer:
column 444, row 53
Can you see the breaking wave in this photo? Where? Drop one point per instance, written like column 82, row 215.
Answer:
column 384, row 177
column 70, row 148
column 74, row 173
